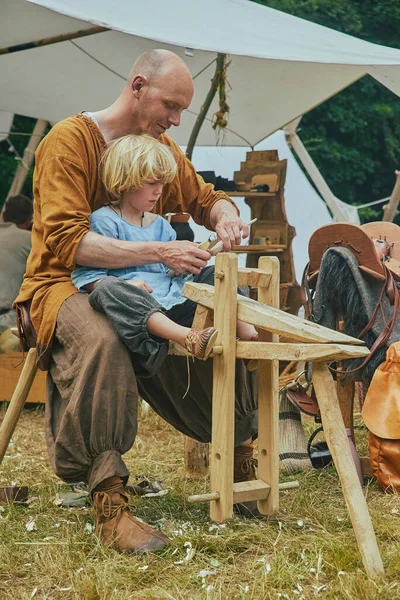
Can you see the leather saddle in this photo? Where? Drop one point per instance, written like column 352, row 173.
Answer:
column 376, row 247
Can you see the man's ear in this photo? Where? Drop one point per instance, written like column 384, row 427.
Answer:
column 138, row 84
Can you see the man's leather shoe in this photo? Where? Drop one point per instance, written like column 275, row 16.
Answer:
column 115, row 524
column 244, row 469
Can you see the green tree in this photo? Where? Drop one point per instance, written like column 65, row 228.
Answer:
column 353, row 137
column 11, row 150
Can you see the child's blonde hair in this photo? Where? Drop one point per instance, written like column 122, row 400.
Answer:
column 131, row 161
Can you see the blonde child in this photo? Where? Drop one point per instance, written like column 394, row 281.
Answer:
column 144, row 304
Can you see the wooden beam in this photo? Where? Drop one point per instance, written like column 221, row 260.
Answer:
column 237, row 489
column 335, row 435
column 64, row 37
column 251, row 490
column 269, row 318
column 219, row 66
column 253, row 277
column 268, row 396
column 298, row 351
column 223, row 406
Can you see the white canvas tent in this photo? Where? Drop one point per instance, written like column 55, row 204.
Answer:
column 281, row 66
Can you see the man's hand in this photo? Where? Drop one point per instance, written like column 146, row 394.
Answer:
column 140, row 284
column 230, row 229
column 184, row 257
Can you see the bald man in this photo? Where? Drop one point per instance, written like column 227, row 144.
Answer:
column 92, row 387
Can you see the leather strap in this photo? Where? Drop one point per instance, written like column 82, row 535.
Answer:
column 306, row 287
column 26, row 330
column 303, row 401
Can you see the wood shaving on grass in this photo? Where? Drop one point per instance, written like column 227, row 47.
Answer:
column 60, row 558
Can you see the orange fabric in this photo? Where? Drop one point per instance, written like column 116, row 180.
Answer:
column 67, row 189
column 381, row 410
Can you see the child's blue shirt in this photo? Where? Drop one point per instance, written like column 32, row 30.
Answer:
column 166, row 290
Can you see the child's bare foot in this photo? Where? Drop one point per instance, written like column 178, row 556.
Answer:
column 200, row 342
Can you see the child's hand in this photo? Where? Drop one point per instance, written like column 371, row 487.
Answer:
column 141, row 284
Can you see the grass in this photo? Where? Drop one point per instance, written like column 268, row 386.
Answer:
column 307, row 551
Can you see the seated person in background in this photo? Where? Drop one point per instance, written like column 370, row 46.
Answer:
column 144, row 303
column 15, row 245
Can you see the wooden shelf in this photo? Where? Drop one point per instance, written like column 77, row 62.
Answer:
column 260, row 249
column 252, row 194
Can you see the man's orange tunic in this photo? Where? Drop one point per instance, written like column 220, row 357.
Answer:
column 67, row 189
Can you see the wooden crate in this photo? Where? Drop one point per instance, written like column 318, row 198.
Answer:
column 11, row 364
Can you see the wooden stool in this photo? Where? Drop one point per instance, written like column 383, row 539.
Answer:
column 311, row 342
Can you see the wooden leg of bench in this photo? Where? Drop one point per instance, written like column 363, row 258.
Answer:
column 17, row 401
column 268, row 398
column 336, row 438
column 196, row 453
column 223, row 405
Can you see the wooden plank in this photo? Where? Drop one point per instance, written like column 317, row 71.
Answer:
column 251, row 194
column 203, row 317
column 11, row 364
column 286, row 351
column 250, row 490
column 268, row 398
column 17, row 401
column 270, row 318
column 258, row 249
column 253, row 277
column 335, row 435
column 286, row 485
column 298, row 351
column 223, row 406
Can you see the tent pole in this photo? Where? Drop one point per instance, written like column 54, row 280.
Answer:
column 27, row 159
column 207, row 103
column 390, row 209
column 313, row 171
column 64, row 37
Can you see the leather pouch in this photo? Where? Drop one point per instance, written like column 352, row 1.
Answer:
column 381, row 409
column 381, row 414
